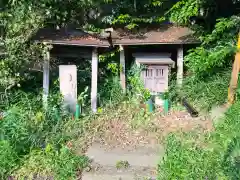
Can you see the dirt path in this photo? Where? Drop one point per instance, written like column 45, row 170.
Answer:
column 121, row 152
column 126, row 164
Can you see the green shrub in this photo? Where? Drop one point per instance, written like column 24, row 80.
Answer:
column 67, row 164
column 47, row 163
column 203, row 93
column 14, row 129
column 185, row 160
column 27, row 127
column 210, row 91
column 8, row 159
column 111, row 92
column 215, row 157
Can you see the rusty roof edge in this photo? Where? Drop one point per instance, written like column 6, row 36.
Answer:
column 78, row 44
column 155, row 43
column 116, row 43
column 70, row 44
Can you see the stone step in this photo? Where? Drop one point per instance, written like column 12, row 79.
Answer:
column 113, row 177
column 96, row 168
column 143, row 156
column 108, row 172
column 141, row 163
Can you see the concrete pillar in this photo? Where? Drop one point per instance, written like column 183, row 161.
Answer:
column 94, row 80
column 122, row 69
column 180, row 66
column 46, row 67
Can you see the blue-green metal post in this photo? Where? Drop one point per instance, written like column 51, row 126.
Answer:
column 78, row 112
column 166, row 106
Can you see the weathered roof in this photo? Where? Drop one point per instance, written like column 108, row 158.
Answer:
column 68, row 36
column 167, row 34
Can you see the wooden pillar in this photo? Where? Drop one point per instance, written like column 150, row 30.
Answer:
column 94, row 80
column 46, row 65
column 180, row 66
column 122, row 69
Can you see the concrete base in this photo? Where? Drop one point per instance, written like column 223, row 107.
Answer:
column 159, row 101
column 142, row 162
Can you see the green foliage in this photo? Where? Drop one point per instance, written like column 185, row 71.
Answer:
column 8, row 158
column 208, row 92
column 146, row 94
column 82, row 97
column 26, row 130
column 40, row 136
column 113, row 67
column 136, row 85
column 122, row 164
column 133, row 14
column 209, row 65
column 182, row 11
column 21, row 19
column 166, row 95
column 68, row 164
column 213, row 156
column 14, row 129
column 109, row 57
column 26, row 125
column 110, row 61
column 111, row 92
column 62, row 164
column 20, row 23
column 187, row 160
column 34, row 163
column 217, row 49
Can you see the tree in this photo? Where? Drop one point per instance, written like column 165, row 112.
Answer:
column 22, row 18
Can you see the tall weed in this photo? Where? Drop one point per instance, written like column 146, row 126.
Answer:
column 51, row 163
column 216, row 156
column 8, row 159
column 111, row 92
column 28, row 129
column 203, row 93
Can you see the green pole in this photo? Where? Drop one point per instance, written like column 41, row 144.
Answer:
column 77, row 113
column 166, row 106
column 149, row 105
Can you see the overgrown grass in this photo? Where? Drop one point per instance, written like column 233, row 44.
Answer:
column 8, row 158
column 60, row 164
column 204, row 93
column 110, row 93
column 49, row 143
column 209, row 156
column 35, row 140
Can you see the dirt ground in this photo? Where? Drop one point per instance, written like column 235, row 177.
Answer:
column 119, row 140
column 119, row 133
